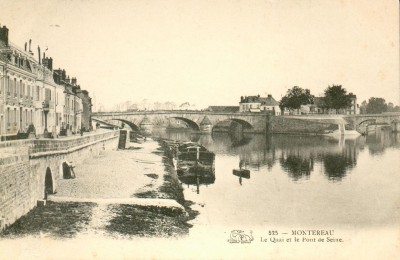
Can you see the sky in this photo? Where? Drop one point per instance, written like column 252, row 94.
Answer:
column 209, row 52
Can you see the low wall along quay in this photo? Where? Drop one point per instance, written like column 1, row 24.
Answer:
column 30, row 169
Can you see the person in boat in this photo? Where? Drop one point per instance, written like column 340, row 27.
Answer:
column 241, row 163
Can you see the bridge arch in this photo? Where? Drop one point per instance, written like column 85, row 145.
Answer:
column 132, row 125
column 367, row 121
column 243, row 123
column 48, row 183
column 190, row 123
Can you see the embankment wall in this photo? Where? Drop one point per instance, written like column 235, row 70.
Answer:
column 287, row 125
column 24, row 165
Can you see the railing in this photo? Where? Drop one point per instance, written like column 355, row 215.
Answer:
column 47, row 105
column 54, row 145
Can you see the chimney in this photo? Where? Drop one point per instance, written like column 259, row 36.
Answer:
column 26, row 45
column 73, row 81
column 48, row 62
column 241, row 99
column 55, row 77
column 4, row 35
column 269, row 96
column 50, row 66
column 67, row 79
column 63, row 75
column 38, row 48
column 30, row 41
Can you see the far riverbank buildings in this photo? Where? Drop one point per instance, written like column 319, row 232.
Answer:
column 36, row 100
column 270, row 105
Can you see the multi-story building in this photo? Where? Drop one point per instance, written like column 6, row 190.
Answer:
column 73, row 108
column 34, row 99
column 18, row 80
column 259, row 104
column 319, row 108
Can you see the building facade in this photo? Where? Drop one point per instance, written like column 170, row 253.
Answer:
column 34, row 99
column 259, row 104
column 318, row 107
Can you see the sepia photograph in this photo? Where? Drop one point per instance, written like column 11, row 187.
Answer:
column 199, row 129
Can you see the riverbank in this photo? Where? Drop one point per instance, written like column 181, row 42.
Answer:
column 120, row 193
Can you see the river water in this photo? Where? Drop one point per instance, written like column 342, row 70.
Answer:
column 297, row 182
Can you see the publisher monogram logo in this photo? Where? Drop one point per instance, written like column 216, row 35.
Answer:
column 238, row 236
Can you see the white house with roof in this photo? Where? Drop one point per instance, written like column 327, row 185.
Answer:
column 257, row 104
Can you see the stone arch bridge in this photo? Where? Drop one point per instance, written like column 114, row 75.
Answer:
column 202, row 121
column 205, row 121
column 361, row 120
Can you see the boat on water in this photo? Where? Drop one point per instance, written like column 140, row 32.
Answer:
column 193, row 163
column 243, row 173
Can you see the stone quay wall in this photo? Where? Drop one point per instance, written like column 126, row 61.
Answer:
column 287, row 125
column 28, row 167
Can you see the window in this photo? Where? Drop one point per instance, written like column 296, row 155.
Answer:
column 58, row 117
column 8, row 116
column 15, row 88
column 47, row 94
column 22, row 88
column 8, row 85
column 37, row 93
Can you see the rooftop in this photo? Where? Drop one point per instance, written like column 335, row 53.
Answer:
column 266, row 101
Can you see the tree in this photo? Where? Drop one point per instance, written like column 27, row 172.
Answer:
column 296, row 97
column 376, row 106
column 390, row 107
column 336, row 97
column 363, row 107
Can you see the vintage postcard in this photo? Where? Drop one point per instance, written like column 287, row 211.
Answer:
column 188, row 129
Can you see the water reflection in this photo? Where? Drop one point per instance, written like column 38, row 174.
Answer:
column 337, row 165
column 241, row 173
column 297, row 167
column 295, row 155
column 378, row 142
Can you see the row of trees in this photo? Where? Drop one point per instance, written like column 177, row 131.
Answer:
column 146, row 105
column 376, row 106
column 335, row 97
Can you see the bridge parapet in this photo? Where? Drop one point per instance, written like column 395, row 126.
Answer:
column 252, row 122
